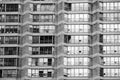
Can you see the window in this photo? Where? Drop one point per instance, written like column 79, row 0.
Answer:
column 111, row 72
column 11, row 7
column 109, row 27
column 35, row 18
column 76, row 50
column 11, row 51
column 11, row 40
column 111, row 38
column 12, row 18
column 1, row 50
column 1, row 62
column 43, row 39
column 76, row 17
column 40, row 73
column 113, row 50
column 35, row 50
column 35, row 39
column 2, row 18
column 76, row 72
column 46, row 50
column 43, row 18
column 2, row 29
column 10, row 73
column 40, row 61
column 10, row 62
column 111, row 17
column 1, row 73
column 47, row 39
column 76, row 6
column 1, row 40
column 44, row 7
column 34, row 29
column 42, row 29
column 2, row 7
column 12, row 29
column 42, row 50
column 9, row 29
column 110, row 6
column 75, row 39
column 76, row 61
column 76, row 28
column 111, row 61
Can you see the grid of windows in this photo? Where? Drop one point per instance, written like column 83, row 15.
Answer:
column 76, row 61
column 76, row 72
column 43, row 7
column 75, row 39
column 9, row 7
column 42, row 29
column 111, row 61
column 76, row 28
column 9, row 51
column 10, row 18
column 76, row 17
column 10, row 29
column 43, row 18
column 40, row 73
column 8, row 73
column 111, row 38
column 111, row 72
column 46, row 50
column 109, row 27
column 9, row 40
column 111, row 16
column 113, row 50
column 76, row 6
column 43, row 39
column 8, row 62
column 40, row 61
column 72, row 50
column 77, row 44
column 110, row 6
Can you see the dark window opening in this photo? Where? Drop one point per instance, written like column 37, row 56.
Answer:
column 101, row 72
column 0, row 73
column 11, row 7
column 2, row 7
column 45, row 50
column 10, row 62
column 47, row 39
column 67, row 6
column 49, row 74
column 11, row 51
column 11, row 40
column 49, row 62
column 41, row 73
column 10, row 73
column 1, row 40
column 67, row 38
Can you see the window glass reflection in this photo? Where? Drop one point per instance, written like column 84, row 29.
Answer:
column 77, row 50
column 76, row 28
column 76, row 72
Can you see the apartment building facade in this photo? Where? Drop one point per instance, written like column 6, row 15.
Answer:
column 59, row 39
